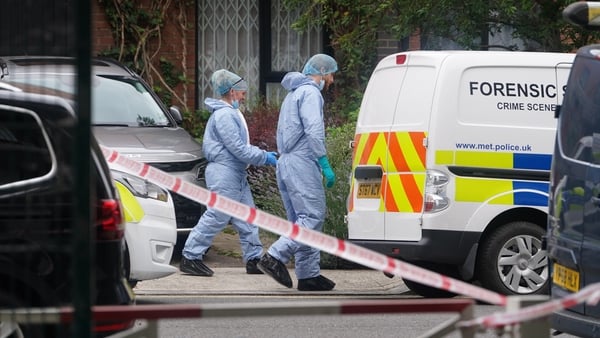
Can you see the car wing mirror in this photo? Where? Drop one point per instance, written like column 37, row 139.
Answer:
column 176, row 114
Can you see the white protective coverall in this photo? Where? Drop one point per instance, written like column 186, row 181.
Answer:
column 226, row 147
column 300, row 143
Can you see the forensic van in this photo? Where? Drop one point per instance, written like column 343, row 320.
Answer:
column 451, row 161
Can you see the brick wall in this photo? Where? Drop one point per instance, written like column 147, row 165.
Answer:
column 387, row 44
column 178, row 46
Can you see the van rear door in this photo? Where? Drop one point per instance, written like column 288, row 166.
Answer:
column 388, row 165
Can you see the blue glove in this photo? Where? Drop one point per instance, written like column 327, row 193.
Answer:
column 271, row 158
column 327, row 171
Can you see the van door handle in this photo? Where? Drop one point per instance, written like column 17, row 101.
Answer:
column 596, row 201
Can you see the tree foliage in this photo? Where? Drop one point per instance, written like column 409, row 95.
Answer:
column 353, row 25
column 353, row 28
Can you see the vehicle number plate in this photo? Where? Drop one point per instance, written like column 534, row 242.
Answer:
column 566, row 278
column 369, row 190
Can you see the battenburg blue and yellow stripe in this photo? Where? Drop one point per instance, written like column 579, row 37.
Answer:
column 495, row 190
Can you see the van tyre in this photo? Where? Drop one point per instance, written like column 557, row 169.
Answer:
column 429, row 291
column 511, row 260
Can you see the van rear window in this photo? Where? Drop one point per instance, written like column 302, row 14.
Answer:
column 398, row 96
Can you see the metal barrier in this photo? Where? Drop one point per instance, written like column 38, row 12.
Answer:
column 150, row 314
column 521, row 322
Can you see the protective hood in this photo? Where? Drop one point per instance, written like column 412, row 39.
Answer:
column 215, row 104
column 294, row 80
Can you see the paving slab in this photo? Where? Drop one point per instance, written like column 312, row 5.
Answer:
column 235, row 281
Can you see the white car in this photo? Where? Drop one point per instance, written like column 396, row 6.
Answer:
column 151, row 229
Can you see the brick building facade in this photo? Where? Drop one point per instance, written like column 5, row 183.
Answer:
column 179, row 45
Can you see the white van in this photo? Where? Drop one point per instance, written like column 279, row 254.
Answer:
column 451, row 162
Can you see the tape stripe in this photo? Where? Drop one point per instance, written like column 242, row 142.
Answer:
column 112, row 157
column 295, row 231
column 177, row 185
column 589, row 294
column 144, row 171
column 252, row 216
column 320, row 240
column 445, row 283
column 341, row 247
column 213, row 199
column 391, row 265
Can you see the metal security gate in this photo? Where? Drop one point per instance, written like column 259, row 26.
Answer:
column 254, row 39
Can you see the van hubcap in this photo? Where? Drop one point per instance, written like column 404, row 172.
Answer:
column 523, row 265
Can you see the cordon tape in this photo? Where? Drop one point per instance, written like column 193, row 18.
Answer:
column 349, row 251
column 302, row 235
column 590, row 294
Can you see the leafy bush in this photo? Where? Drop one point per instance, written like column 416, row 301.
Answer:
column 262, row 127
column 195, row 122
column 340, row 157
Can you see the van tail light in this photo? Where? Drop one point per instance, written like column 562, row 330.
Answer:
column 110, row 220
column 435, row 191
column 400, row 59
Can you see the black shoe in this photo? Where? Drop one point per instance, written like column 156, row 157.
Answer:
column 319, row 283
column 276, row 269
column 194, row 267
column 251, row 267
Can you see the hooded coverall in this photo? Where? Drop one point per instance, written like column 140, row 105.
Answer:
column 228, row 151
column 300, row 143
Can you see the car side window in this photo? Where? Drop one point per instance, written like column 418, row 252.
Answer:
column 25, row 147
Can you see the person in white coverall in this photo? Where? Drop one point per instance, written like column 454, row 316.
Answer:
column 300, row 169
column 226, row 146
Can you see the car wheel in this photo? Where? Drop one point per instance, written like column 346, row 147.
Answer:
column 127, row 266
column 511, row 260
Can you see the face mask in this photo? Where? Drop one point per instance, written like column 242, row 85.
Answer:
column 321, row 84
column 235, row 104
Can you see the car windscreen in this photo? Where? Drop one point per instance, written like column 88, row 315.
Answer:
column 116, row 100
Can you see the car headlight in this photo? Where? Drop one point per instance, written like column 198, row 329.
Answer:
column 140, row 187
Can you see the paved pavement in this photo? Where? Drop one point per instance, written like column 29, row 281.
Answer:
column 235, row 281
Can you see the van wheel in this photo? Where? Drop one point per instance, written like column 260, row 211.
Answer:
column 511, row 260
column 429, row 291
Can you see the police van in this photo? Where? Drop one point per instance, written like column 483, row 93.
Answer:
column 451, row 161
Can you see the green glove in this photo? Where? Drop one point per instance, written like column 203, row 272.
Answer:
column 327, row 171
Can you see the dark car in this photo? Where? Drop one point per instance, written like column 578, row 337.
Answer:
column 574, row 212
column 127, row 116
column 37, row 213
